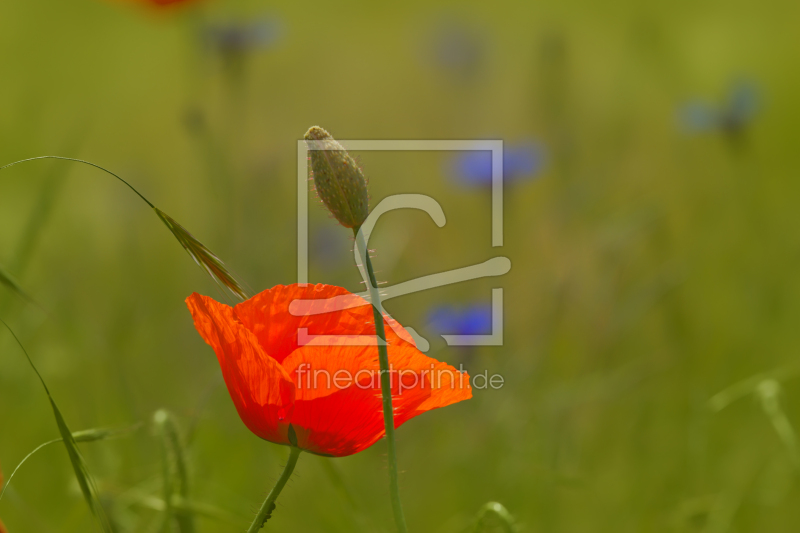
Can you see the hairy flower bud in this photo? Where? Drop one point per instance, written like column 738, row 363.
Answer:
column 338, row 180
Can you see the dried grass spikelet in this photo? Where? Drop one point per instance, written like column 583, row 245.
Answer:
column 204, row 257
column 339, row 181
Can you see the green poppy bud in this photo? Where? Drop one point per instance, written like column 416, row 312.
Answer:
column 339, row 182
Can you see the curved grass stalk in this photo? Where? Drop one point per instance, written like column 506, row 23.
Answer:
column 85, row 435
column 204, row 257
column 14, row 472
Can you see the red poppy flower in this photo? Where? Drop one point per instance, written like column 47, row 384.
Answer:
column 326, row 388
column 164, row 3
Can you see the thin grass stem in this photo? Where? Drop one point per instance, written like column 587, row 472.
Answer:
column 85, row 163
column 175, row 472
column 85, row 435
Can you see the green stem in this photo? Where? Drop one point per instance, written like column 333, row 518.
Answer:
column 269, row 504
column 173, row 458
column 386, row 384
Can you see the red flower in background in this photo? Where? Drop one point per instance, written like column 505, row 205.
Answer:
column 168, row 2
column 164, row 3
column 275, row 382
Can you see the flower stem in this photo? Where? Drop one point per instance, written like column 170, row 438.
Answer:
column 269, row 504
column 386, row 384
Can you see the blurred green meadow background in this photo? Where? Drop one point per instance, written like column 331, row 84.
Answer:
column 651, row 228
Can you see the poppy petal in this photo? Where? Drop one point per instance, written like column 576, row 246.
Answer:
column 261, row 389
column 447, row 385
column 269, row 317
column 338, row 406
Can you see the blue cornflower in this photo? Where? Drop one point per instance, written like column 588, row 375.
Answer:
column 521, row 162
column 736, row 113
column 239, row 37
column 475, row 319
column 456, row 48
column 330, row 246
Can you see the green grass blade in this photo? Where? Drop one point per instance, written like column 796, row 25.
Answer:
column 85, row 480
column 9, row 281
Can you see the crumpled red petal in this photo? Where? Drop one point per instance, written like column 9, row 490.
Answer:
column 269, row 317
column 261, row 390
column 338, row 405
